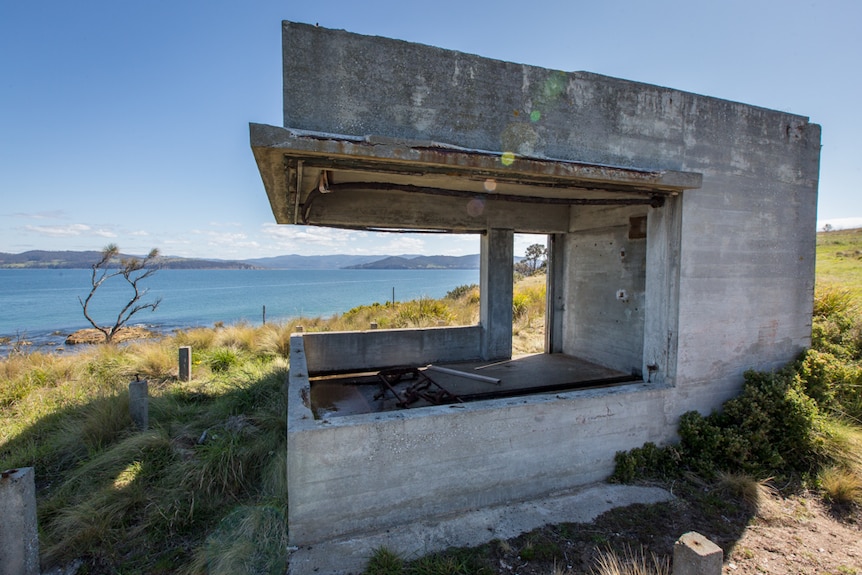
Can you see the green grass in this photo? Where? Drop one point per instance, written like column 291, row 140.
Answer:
column 202, row 491
column 839, row 260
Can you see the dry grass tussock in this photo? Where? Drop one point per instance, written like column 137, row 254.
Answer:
column 631, row 563
column 758, row 495
column 842, row 481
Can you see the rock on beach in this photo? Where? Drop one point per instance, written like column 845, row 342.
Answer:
column 92, row 335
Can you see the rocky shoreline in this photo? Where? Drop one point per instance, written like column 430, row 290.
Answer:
column 59, row 341
column 92, row 336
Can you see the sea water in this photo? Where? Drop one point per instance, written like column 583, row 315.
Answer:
column 43, row 306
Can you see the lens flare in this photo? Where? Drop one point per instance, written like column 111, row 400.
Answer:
column 535, row 116
column 508, row 158
column 490, row 185
column 475, row 207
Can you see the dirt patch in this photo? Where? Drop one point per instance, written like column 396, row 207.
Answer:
column 800, row 535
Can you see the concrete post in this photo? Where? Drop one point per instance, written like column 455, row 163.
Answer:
column 694, row 554
column 139, row 407
column 186, row 363
column 495, row 284
column 373, row 325
column 19, row 536
column 556, row 302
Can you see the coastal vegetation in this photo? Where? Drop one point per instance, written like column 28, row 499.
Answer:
column 203, row 489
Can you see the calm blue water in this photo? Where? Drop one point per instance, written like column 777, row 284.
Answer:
column 38, row 303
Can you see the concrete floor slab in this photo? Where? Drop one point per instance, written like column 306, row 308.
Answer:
column 351, row 394
column 350, row 555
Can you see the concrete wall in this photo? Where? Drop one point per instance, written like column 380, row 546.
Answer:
column 605, row 279
column 333, row 352
column 743, row 256
column 377, row 471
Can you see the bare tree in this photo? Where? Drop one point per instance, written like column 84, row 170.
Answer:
column 133, row 270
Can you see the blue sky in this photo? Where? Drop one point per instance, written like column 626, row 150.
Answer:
column 127, row 122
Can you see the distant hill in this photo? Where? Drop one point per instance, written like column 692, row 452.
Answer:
column 37, row 259
column 422, row 263
column 298, row 262
column 40, row 259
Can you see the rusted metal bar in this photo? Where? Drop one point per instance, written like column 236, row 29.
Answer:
column 464, row 374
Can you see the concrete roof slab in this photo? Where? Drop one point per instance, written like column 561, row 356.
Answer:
column 294, row 164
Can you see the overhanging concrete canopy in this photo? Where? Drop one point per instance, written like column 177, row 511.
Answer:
column 383, row 183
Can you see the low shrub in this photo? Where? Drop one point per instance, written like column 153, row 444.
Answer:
column 421, row 312
column 222, row 359
column 772, row 429
column 837, row 326
column 646, row 461
column 787, row 423
column 464, row 291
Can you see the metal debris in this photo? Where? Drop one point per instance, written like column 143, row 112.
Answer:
column 422, row 387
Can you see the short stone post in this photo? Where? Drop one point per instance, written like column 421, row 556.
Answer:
column 139, row 407
column 694, row 554
column 373, row 325
column 19, row 536
column 185, row 363
column 298, row 329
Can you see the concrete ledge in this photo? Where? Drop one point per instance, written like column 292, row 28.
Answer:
column 333, row 352
column 473, row 528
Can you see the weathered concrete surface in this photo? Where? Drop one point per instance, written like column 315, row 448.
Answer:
column 19, row 536
column 495, row 283
column 606, row 276
column 185, row 363
column 475, row 527
column 441, row 95
column 368, row 472
column 139, row 404
column 291, row 162
column 328, row 352
column 694, row 554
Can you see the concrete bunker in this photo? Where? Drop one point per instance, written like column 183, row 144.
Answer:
column 681, row 253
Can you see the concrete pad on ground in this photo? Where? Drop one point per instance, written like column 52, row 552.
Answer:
column 350, row 554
